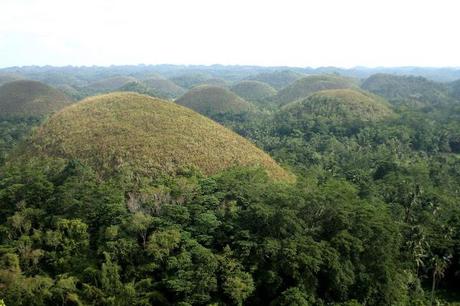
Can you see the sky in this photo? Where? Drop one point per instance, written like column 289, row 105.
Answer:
column 342, row 33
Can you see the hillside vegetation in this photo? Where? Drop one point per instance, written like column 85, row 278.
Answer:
column 139, row 87
column 146, row 135
column 25, row 98
column 253, row 90
column 213, row 101
column 124, row 199
column 455, row 89
column 341, row 105
column 407, row 90
column 311, row 84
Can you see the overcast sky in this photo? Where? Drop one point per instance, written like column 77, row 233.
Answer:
column 341, row 33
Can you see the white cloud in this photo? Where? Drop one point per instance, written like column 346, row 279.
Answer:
column 289, row 32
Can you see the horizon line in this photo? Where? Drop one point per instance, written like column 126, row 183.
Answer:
column 231, row 65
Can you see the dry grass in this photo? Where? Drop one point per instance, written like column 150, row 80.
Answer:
column 145, row 134
column 25, row 98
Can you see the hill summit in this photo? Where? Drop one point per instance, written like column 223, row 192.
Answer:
column 213, row 101
column 406, row 89
column 311, row 84
column 149, row 136
column 341, row 105
column 24, row 98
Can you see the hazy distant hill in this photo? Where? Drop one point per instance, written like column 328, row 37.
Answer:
column 277, row 79
column 25, row 98
column 110, row 84
column 311, row 84
column 407, row 90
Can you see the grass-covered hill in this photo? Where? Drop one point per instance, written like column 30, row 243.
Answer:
column 71, row 91
column 145, row 135
column 139, row 87
column 110, row 84
column 253, row 90
column 164, row 88
column 341, row 105
column 407, row 90
column 311, row 84
column 213, row 101
column 189, row 80
column 215, row 82
column 24, row 98
column 277, row 79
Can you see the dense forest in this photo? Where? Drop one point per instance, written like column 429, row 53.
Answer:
column 368, row 214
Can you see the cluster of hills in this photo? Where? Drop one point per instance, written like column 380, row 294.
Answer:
column 228, row 185
column 130, row 128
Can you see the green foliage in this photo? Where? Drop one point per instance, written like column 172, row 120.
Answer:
column 407, row 90
column 12, row 132
column 454, row 89
column 372, row 219
column 338, row 105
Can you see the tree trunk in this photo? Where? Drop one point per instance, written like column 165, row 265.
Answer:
column 433, row 286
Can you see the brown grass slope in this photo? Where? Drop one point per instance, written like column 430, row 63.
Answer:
column 147, row 135
column 213, row 100
column 253, row 90
column 26, row 98
column 311, row 84
column 342, row 105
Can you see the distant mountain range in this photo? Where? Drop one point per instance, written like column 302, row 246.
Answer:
column 229, row 73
